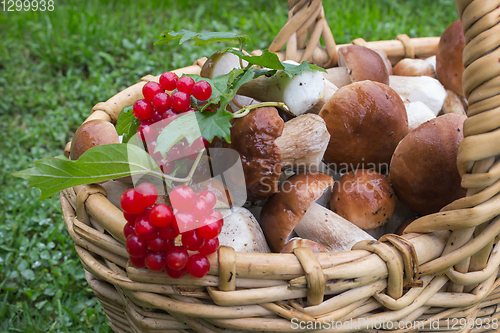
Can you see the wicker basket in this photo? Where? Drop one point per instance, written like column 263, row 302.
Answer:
column 449, row 269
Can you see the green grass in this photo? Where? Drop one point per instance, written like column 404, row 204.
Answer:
column 55, row 66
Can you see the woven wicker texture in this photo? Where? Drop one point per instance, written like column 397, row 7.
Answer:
column 445, row 268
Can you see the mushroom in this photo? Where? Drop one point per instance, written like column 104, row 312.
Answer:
column 303, row 142
column 424, row 169
column 420, row 89
column 453, row 103
column 358, row 63
column 293, row 208
column 449, row 59
column 365, row 198
column 414, row 67
column 242, row 232
column 253, row 137
column 90, row 134
column 300, row 93
column 221, row 63
column 418, row 113
column 267, row 145
column 366, row 120
column 301, row 242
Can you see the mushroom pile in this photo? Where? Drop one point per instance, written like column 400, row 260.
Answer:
column 359, row 151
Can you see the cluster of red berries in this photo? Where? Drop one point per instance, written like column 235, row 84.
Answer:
column 151, row 229
column 158, row 105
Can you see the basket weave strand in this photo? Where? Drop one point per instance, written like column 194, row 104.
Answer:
column 428, row 274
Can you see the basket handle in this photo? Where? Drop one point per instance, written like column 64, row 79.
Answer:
column 307, row 24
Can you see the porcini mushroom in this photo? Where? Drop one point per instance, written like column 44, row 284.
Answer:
column 253, row 137
column 90, row 134
column 358, row 63
column 424, row 169
column 267, row 145
column 418, row 113
column 365, row 198
column 300, row 92
column 242, row 232
column 423, row 89
column 414, row 67
column 366, row 120
column 449, row 59
column 303, row 141
column 293, row 208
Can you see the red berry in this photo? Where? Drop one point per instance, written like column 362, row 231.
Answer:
column 159, row 244
column 169, row 232
column 129, row 202
column 130, row 218
column 192, row 240
column 177, row 257
column 146, row 194
column 182, row 197
column 161, row 102
column 210, row 246
column 177, row 151
column 128, row 229
column 185, row 221
column 155, row 261
column 145, row 229
column 175, row 273
column 180, row 101
column 166, row 165
column 198, row 265
column 202, row 90
column 137, row 262
column 161, row 215
column 210, row 226
column 135, row 246
column 198, row 144
column 208, row 196
column 168, row 81
column 144, row 131
column 142, row 109
column 201, row 208
column 185, row 84
column 150, row 89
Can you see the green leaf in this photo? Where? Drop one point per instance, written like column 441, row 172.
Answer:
column 127, row 124
column 267, row 59
column 292, row 69
column 203, row 38
column 271, row 61
column 215, row 124
column 101, row 163
column 184, row 126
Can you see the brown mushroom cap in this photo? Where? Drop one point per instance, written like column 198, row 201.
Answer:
column 366, row 121
column 449, row 63
column 424, row 166
column 365, row 198
column 90, row 134
column 414, row 67
column 284, row 210
column 363, row 64
column 301, row 242
column 253, row 137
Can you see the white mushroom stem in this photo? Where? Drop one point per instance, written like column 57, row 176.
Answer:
column 323, row 226
column 339, row 76
column 418, row 113
column 299, row 92
column 453, row 103
column 303, row 142
column 420, row 89
column 242, row 232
